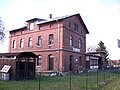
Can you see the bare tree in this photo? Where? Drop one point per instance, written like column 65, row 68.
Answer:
column 91, row 49
column 2, row 31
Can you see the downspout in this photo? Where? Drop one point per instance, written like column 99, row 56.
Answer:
column 58, row 45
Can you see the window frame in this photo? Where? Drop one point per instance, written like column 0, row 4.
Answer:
column 39, row 60
column 80, row 43
column 71, row 41
column 14, row 44
column 30, row 42
column 39, row 43
column 31, row 26
column 51, row 39
column 21, row 43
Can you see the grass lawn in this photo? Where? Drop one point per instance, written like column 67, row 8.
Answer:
column 89, row 81
column 112, row 85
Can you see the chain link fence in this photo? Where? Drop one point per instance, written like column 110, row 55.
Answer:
column 88, row 80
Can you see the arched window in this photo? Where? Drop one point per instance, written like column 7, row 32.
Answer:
column 14, row 43
column 39, row 41
column 30, row 42
column 80, row 43
column 50, row 62
column 39, row 60
column 71, row 41
column 51, row 39
column 21, row 43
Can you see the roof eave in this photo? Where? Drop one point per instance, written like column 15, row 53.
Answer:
column 24, row 27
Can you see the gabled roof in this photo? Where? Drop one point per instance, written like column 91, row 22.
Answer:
column 64, row 17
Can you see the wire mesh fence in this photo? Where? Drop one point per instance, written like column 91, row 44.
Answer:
column 88, row 80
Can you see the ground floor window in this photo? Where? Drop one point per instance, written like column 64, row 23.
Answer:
column 50, row 62
column 39, row 60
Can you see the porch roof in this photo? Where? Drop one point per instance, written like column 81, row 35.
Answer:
column 19, row 54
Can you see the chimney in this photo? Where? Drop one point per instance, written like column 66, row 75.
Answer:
column 50, row 16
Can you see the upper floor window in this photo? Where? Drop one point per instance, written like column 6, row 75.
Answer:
column 14, row 33
column 14, row 43
column 32, row 26
column 21, row 43
column 51, row 39
column 39, row 60
column 40, row 27
column 39, row 40
column 71, row 41
column 75, row 26
column 80, row 43
column 69, row 24
column 30, row 42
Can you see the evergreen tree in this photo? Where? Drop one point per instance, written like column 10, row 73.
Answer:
column 102, row 47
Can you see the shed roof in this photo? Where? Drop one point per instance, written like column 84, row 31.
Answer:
column 19, row 54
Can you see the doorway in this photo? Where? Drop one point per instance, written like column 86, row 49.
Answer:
column 50, row 62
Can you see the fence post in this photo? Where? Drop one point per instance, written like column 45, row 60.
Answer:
column 104, row 75
column 97, row 78
column 39, row 74
column 86, row 79
column 70, row 80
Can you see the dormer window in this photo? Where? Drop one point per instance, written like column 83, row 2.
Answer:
column 31, row 26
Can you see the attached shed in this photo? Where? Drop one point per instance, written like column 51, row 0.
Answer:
column 95, row 60
column 22, row 64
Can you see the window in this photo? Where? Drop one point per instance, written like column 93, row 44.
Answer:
column 31, row 26
column 21, row 43
column 51, row 39
column 40, row 27
column 39, row 41
column 69, row 24
column 80, row 43
column 14, row 44
column 14, row 33
column 71, row 41
column 30, row 42
column 75, row 26
column 93, row 62
column 39, row 60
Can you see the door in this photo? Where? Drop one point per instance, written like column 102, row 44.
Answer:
column 50, row 62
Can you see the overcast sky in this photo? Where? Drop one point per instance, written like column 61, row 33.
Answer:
column 102, row 18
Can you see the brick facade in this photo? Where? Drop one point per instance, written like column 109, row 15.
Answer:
column 63, row 53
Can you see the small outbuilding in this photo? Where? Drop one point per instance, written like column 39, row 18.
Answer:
column 96, row 60
column 22, row 64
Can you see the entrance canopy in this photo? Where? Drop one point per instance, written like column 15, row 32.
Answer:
column 18, row 54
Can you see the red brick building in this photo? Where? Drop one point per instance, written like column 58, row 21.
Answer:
column 59, row 43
